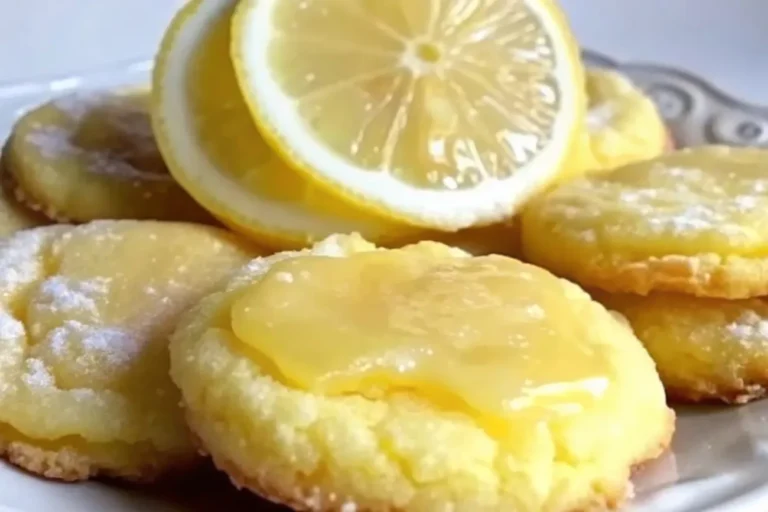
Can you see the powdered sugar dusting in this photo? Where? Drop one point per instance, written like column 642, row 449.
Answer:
column 79, row 103
column 684, row 198
column 331, row 246
column 113, row 345
column 600, row 117
column 61, row 294
column 20, row 263
column 749, row 328
column 125, row 113
column 55, row 142
column 10, row 328
column 37, row 375
column 284, row 277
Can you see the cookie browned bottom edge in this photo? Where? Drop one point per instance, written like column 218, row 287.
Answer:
column 308, row 499
column 70, row 465
column 14, row 190
column 701, row 275
column 714, row 393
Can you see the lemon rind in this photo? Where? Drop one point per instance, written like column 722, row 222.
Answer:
column 489, row 202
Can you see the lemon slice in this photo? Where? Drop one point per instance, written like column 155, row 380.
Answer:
column 214, row 150
column 445, row 114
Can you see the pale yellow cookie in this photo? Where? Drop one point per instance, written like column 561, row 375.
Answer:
column 13, row 215
column 705, row 349
column 623, row 125
column 92, row 155
column 693, row 221
column 85, row 315
column 421, row 379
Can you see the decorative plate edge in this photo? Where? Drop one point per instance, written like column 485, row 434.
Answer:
column 696, row 111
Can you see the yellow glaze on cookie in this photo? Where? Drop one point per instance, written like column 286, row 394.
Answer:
column 417, row 319
column 704, row 349
column 349, row 377
column 85, row 314
column 92, row 155
column 693, row 221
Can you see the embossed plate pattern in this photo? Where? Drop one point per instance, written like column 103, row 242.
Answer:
column 719, row 458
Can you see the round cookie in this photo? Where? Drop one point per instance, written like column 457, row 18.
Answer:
column 623, row 126
column 288, row 416
column 92, row 155
column 13, row 215
column 705, row 349
column 694, row 221
column 85, row 316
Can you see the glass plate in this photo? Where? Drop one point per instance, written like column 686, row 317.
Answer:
column 719, row 456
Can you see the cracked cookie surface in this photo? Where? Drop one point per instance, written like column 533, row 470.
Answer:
column 691, row 222
column 85, row 315
column 355, row 442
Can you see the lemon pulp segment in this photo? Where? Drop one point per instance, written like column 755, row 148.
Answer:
column 215, row 150
column 478, row 331
column 446, row 114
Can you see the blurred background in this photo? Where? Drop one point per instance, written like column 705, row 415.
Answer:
column 725, row 41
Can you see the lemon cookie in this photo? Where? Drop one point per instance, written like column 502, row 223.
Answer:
column 13, row 215
column 347, row 377
column 692, row 221
column 623, row 125
column 92, row 155
column 704, row 348
column 85, row 315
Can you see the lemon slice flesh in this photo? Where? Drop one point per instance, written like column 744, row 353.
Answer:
column 445, row 114
column 214, row 149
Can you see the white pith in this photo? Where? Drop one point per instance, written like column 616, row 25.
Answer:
column 278, row 218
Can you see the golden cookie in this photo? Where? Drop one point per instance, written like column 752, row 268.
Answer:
column 85, row 315
column 623, row 124
column 704, row 348
column 694, row 221
column 14, row 216
column 350, row 378
column 92, row 155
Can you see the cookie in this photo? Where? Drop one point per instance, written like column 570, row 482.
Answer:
column 85, row 316
column 13, row 215
column 693, row 221
column 92, row 155
column 347, row 377
column 705, row 349
column 623, row 126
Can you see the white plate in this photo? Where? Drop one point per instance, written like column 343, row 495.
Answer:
column 719, row 458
